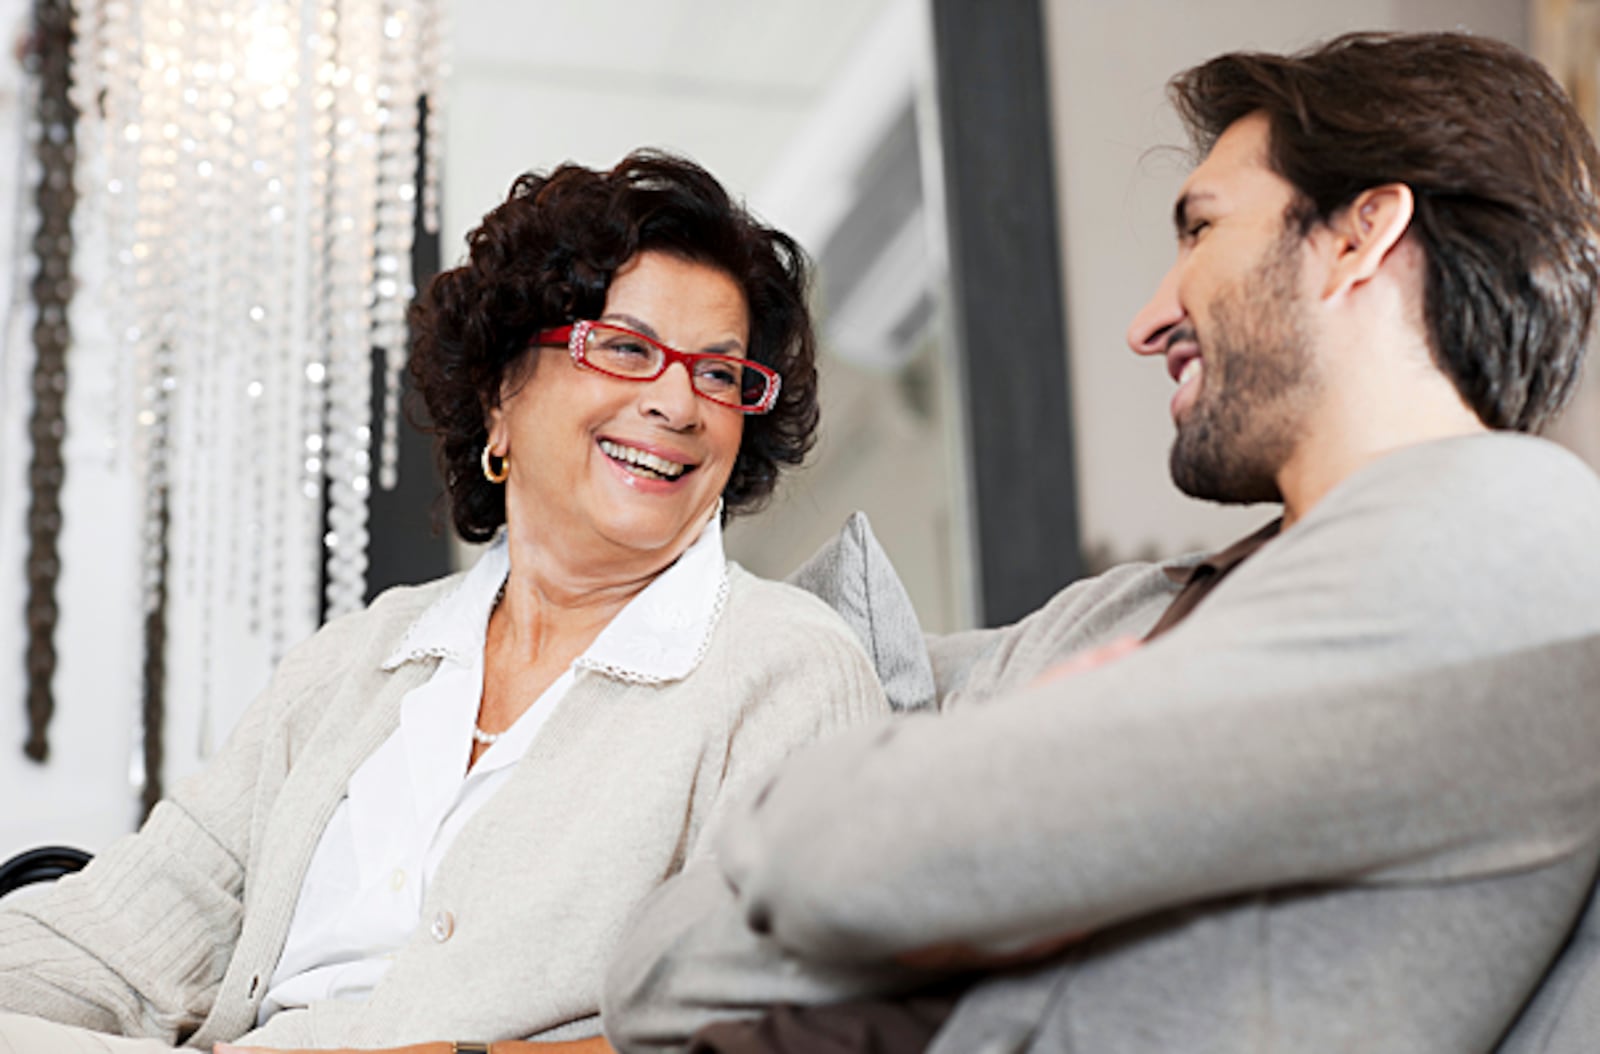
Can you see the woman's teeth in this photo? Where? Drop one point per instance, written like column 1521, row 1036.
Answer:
column 642, row 462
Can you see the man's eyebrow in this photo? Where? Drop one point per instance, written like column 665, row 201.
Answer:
column 1180, row 209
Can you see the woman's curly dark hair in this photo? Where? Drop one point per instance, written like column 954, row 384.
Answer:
column 546, row 257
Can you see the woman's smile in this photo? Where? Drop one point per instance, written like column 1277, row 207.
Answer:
column 648, row 463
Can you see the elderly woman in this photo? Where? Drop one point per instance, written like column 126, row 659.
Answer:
column 433, row 823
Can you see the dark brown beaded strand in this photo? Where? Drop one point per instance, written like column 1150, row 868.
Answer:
column 54, row 146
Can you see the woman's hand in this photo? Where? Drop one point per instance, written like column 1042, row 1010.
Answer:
column 595, row 1045
column 415, row 1048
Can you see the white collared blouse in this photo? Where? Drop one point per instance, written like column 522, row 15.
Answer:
column 363, row 893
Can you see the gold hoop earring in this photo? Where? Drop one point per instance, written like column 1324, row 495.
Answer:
column 489, row 472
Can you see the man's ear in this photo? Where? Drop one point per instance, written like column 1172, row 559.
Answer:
column 1364, row 233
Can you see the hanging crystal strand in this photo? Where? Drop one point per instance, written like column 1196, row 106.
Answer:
column 263, row 383
column 233, row 341
column 190, row 441
column 208, row 236
column 155, row 260
column 91, row 57
column 250, row 54
column 87, row 74
column 212, row 332
column 300, row 556
column 313, row 351
column 350, row 356
column 255, row 168
column 95, row 58
column 430, row 86
column 397, row 203
column 106, row 68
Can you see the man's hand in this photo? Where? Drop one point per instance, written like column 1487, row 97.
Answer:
column 1085, row 661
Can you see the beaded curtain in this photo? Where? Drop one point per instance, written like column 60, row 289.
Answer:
column 253, row 165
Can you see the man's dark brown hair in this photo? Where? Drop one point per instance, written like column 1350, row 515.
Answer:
column 1502, row 169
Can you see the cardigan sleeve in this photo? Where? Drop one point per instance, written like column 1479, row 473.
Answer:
column 812, row 680
column 690, row 959
column 805, row 678
column 137, row 943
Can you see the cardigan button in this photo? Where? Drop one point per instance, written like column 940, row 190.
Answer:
column 444, row 924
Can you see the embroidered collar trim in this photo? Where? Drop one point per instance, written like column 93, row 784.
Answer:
column 660, row 636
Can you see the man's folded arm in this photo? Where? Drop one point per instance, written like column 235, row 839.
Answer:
column 689, row 959
column 940, row 866
column 1084, row 803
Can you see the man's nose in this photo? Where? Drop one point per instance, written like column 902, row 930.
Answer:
column 1147, row 334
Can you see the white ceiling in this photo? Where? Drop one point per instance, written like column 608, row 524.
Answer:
column 538, row 82
column 784, row 50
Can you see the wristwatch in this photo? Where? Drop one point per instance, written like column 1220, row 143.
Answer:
column 469, row 1048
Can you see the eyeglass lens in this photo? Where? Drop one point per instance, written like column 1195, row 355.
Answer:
column 722, row 379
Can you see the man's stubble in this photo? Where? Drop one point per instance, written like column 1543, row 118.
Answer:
column 1259, row 376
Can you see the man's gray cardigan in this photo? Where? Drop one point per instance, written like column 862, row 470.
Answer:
column 1352, row 803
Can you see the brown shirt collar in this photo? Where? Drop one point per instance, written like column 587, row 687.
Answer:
column 1200, row 579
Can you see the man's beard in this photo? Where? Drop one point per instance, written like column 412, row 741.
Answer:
column 1243, row 425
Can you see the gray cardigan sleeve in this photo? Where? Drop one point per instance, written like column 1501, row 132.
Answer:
column 689, row 958
column 1378, row 696
column 1324, row 718
column 694, row 954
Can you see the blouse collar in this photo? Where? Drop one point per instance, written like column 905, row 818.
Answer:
column 660, row 635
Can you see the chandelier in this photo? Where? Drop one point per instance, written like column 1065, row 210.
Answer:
column 255, row 168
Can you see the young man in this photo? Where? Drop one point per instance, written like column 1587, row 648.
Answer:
column 1345, row 796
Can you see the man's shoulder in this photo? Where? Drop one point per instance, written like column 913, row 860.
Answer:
column 1474, row 546
column 1487, row 471
column 1496, row 500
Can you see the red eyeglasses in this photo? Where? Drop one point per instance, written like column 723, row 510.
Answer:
column 728, row 380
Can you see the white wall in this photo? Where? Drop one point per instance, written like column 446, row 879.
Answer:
column 536, row 84
column 83, row 796
column 1110, row 63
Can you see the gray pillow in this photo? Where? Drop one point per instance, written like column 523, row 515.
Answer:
column 852, row 574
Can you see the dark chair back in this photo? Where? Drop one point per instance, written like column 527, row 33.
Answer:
column 45, row 864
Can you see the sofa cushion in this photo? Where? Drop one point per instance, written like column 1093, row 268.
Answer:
column 852, row 574
column 1563, row 1017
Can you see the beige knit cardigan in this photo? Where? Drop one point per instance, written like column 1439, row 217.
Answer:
column 173, row 932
